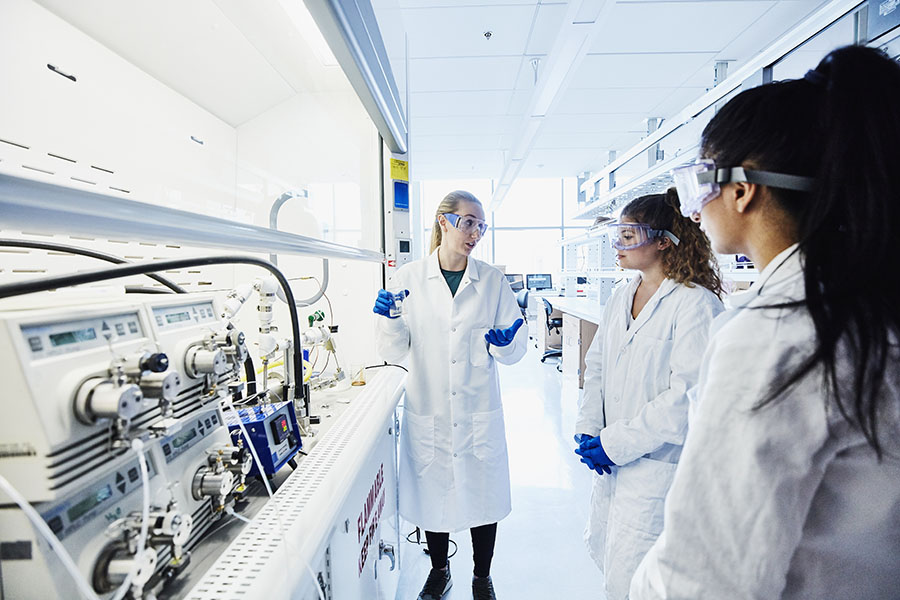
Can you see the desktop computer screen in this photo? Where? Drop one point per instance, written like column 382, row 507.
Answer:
column 538, row 281
column 515, row 282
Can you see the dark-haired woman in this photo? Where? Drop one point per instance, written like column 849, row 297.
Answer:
column 789, row 483
column 643, row 360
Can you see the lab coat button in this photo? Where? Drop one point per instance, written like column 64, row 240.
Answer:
column 453, row 362
column 454, row 455
column 455, row 424
column 452, row 393
column 453, row 329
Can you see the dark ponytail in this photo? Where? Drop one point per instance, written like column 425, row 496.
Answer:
column 691, row 261
column 841, row 125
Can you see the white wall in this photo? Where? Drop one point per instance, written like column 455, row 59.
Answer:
column 120, row 119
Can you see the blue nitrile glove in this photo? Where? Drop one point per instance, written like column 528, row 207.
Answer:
column 503, row 337
column 580, row 438
column 384, row 302
column 594, row 456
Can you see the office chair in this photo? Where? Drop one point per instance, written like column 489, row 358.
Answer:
column 522, row 301
column 551, row 325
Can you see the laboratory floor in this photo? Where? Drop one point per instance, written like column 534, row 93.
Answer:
column 539, row 552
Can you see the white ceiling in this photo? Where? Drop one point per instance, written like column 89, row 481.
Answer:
column 649, row 58
column 468, row 96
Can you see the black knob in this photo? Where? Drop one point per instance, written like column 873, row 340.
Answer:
column 157, row 363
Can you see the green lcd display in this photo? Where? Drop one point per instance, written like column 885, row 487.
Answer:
column 178, row 317
column 184, row 438
column 89, row 503
column 71, row 337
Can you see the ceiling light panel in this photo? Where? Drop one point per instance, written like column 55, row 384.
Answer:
column 445, row 104
column 444, row 3
column 676, row 26
column 469, row 126
column 546, row 25
column 617, row 101
column 459, row 31
column 436, row 143
column 458, row 74
column 638, row 70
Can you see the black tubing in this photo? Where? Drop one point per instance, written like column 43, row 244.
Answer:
column 112, row 258
column 43, row 284
column 250, row 372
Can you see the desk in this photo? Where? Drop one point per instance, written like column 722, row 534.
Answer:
column 581, row 318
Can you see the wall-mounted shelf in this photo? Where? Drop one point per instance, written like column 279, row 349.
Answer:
column 31, row 205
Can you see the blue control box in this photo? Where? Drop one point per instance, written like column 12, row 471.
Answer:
column 273, row 432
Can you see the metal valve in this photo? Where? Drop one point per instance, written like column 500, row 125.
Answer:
column 208, row 483
column 117, row 561
column 386, row 550
column 202, row 361
column 99, row 398
column 163, row 386
column 171, row 528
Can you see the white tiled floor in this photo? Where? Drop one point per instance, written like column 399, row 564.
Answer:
column 539, row 553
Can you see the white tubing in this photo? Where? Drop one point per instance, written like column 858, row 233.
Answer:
column 39, row 524
column 138, row 447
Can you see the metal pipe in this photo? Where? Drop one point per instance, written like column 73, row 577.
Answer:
column 273, row 258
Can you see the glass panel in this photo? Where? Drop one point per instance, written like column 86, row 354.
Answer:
column 529, row 251
column 531, row 203
column 808, row 55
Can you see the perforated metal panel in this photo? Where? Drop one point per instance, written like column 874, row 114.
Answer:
column 259, row 559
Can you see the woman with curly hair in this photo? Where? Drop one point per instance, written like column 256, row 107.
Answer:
column 643, row 360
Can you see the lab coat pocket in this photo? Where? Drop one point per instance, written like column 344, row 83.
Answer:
column 419, row 436
column 653, row 359
column 478, row 348
column 488, row 437
column 641, row 488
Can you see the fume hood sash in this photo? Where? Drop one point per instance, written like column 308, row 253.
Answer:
column 30, row 205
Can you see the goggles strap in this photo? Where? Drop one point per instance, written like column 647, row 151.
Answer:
column 767, row 178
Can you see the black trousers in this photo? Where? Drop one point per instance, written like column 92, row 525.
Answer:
column 483, row 539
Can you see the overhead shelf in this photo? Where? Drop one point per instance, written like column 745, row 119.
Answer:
column 30, row 205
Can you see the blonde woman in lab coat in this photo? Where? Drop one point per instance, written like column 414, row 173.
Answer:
column 644, row 358
column 789, row 484
column 460, row 319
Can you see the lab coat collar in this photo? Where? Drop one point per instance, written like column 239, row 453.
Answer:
column 665, row 288
column 784, row 267
column 434, row 267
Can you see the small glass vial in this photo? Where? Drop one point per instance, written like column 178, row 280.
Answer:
column 397, row 307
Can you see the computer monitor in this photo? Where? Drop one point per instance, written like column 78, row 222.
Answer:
column 538, row 281
column 515, row 282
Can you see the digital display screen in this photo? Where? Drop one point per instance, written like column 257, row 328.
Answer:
column 184, row 438
column 178, row 317
column 89, row 503
column 71, row 337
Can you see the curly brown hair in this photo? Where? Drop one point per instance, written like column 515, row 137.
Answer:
column 692, row 260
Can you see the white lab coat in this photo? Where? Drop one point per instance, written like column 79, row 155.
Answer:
column 786, row 501
column 454, row 469
column 635, row 399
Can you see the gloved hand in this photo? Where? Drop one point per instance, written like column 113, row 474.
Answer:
column 503, row 337
column 384, row 302
column 580, row 438
column 594, row 456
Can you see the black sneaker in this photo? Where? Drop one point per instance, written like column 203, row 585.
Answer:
column 483, row 588
column 437, row 584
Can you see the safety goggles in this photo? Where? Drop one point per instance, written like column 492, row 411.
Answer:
column 628, row 236
column 701, row 182
column 468, row 225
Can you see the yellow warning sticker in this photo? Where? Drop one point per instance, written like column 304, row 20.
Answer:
column 399, row 169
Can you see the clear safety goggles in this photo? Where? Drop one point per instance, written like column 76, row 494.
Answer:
column 468, row 225
column 701, row 182
column 628, row 236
